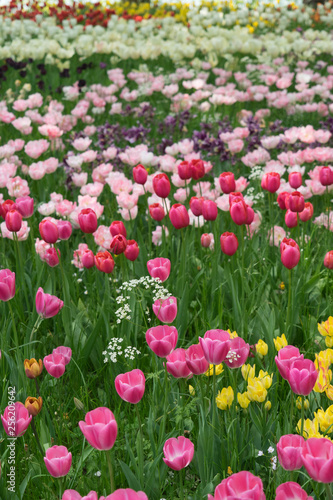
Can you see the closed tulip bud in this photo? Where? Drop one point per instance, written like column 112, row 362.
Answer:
column 290, row 219
column 51, row 257
column 289, row 450
column 65, row 229
column 132, row 250
column 33, row 405
column 295, row 179
column 209, row 210
column 48, row 231
column 33, row 368
column 58, row 461
column 22, row 419
column 229, row 243
column 156, row 211
column 47, row 305
column 224, row 398
column 25, row 205
column 165, row 310
column 296, row 202
column 117, row 227
column 7, row 284
column 195, row 359
column 290, row 253
column 227, row 182
column 161, row 185
column 197, row 169
column 130, row 386
column 328, row 260
column 184, row 171
column 87, row 219
column 162, row 340
column 159, row 268
column 118, row 244
column 13, row 221
column 6, row 206
column 238, row 211
column 140, row 174
column 302, row 376
column 104, row 262
column 196, row 205
column 78, row 404
column 88, row 259
column 282, row 200
column 271, row 182
column 250, row 215
column 205, row 240
column 179, row 216
column 326, row 176
column 307, row 212
column 100, row 428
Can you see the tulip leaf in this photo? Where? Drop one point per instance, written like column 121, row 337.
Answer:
column 133, row 482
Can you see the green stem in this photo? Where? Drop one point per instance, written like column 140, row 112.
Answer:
column 291, row 411
column 328, row 491
column 181, row 484
column 302, row 416
column 21, row 269
column 36, row 436
column 108, row 456
column 214, row 396
column 35, row 327
column 14, row 326
column 140, row 445
column 288, row 325
column 60, row 488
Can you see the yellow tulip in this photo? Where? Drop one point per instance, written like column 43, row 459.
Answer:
column 280, row 342
column 225, row 398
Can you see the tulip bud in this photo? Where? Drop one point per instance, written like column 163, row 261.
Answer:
column 65, row 229
column 227, row 182
column 197, row 169
column 88, row 259
column 271, row 182
column 209, row 210
column 13, row 220
column 282, row 200
column 229, row 243
column 238, row 211
column 184, row 171
column 205, row 240
column 78, row 404
column 326, row 176
column 295, row 179
column 118, row 244
column 48, row 231
column 117, row 227
column 87, row 219
column 132, row 250
column 296, row 202
column 33, row 368
column 290, row 253
column 140, row 174
column 179, row 216
column 328, row 260
column 33, row 405
column 161, row 185
column 290, row 219
column 25, row 205
column 156, row 211
column 196, row 205
column 104, row 262
column 307, row 213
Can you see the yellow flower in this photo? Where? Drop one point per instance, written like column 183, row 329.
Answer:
column 33, row 405
column 311, row 428
column 225, row 398
column 210, row 371
column 326, row 327
column 265, row 379
column 329, row 341
column 256, row 390
column 299, row 403
column 268, row 405
column 325, row 419
column 323, row 380
column 248, row 371
column 329, row 392
column 323, row 358
column 191, row 390
column 261, row 348
column 243, row 400
column 280, row 342
column 233, row 335
column 229, row 470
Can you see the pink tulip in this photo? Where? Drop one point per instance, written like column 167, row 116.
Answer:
column 184, row 171
column 296, row 202
column 179, row 216
column 317, row 458
column 161, row 185
column 131, row 386
column 25, row 205
column 176, row 364
column 307, row 212
column 165, row 310
column 88, row 259
column 16, row 419
column 209, row 210
column 215, row 345
column 195, row 359
column 328, row 260
column 290, row 253
column 65, row 229
column 285, row 358
column 238, row 486
column 117, row 227
column 291, row 491
column 162, row 340
column 229, row 243
column 178, row 452
column 55, row 364
column 196, row 205
column 206, row 240
column 227, row 182
column 271, row 182
column 125, row 494
column 295, row 179
column 156, row 211
column 238, row 211
column 66, row 352
column 13, row 221
column 250, row 215
column 140, row 174
column 87, row 219
column 282, row 200
column 289, row 450
column 74, row 495
column 100, row 428
column 7, row 285
column 302, row 376
column 48, row 231
column 238, row 353
column 51, row 257
column 58, row 461
column 159, row 268
column 197, row 169
column 326, row 176
column 47, row 305
column 290, row 219
column 132, row 250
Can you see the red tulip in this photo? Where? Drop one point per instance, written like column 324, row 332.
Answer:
column 326, row 176
column 328, row 260
column 296, row 202
column 196, row 205
column 156, row 211
column 307, row 212
column 132, row 250
column 117, row 227
column 290, row 253
column 209, row 210
column 104, row 262
column 271, row 182
column 197, row 169
column 229, row 243
column 184, row 171
column 13, row 220
column 118, row 244
column 295, row 179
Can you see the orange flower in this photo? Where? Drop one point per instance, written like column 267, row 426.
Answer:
column 33, row 368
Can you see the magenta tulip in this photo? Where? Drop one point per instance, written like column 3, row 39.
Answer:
column 302, row 376
column 117, row 227
column 161, row 185
column 66, row 352
column 48, row 231
column 271, row 182
column 196, row 205
column 87, row 219
column 290, row 253
column 131, row 386
column 296, row 202
column 25, row 205
column 156, row 211
column 55, row 364
column 285, row 358
column 184, row 171
column 7, row 285
column 179, row 216
column 159, row 268
column 125, row 494
column 100, row 428
column 176, row 364
column 16, row 419
column 206, row 240
column 291, row 491
column 197, row 169
column 13, row 221
column 242, row 485
column 307, row 212
column 47, row 305
column 282, row 200
column 295, row 179
column 238, row 211
column 165, row 310
column 290, row 219
column 209, row 210
column 238, row 353
column 195, row 359
column 51, row 256
column 215, row 345
column 178, row 452
column 88, row 259
column 132, row 250
column 317, row 458
column 229, row 243
column 326, row 176
column 328, row 260
column 74, row 495
column 118, row 244
column 227, row 182
column 289, row 450
column 140, row 174
column 58, row 461
column 162, row 340
column 65, row 229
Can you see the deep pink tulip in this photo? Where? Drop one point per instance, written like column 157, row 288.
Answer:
column 295, row 179
column 234, row 195
column 47, row 305
column 87, row 219
column 6, row 206
column 162, row 340
column 165, row 310
column 100, row 428
column 238, row 353
column 176, row 364
column 195, row 359
column 205, row 240
column 179, row 216
column 7, row 284
column 209, row 210
column 328, row 261
column 48, row 231
column 88, row 259
column 286, row 242
column 227, row 182
column 55, row 365
column 125, row 494
column 242, row 485
column 282, row 200
column 117, row 227
column 184, row 171
column 132, row 250
column 118, row 244
column 58, row 461
column 140, row 174
column 66, row 352
column 131, row 386
column 238, row 211
column 161, row 185
column 178, row 452
column 326, row 176
column 289, row 450
column 215, row 345
column 104, row 262
column 51, row 257
column 285, row 358
column 291, row 491
column 196, row 205
column 296, row 202
column 156, row 211
column 271, row 182
column 307, row 213
column 13, row 221
column 74, row 495
column 290, row 253
column 16, row 420
column 65, row 229
column 290, row 219
column 229, row 243
column 25, row 205
column 197, row 169
column 249, row 215
column 159, row 268
column 302, row 376
column 317, row 458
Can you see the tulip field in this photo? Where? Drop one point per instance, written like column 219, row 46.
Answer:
column 166, row 243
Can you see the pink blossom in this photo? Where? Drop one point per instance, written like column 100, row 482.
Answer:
column 79, row 180
column 17, row 187
column 65, row 207
column 47, row 208
column 89, row 156
column 92, row 189
column 22, row 234
column 51, row 165
column 129, row 214
column 37, row 170
column 81, row 144
column 103, row 237
column 51, row 131
column 35, row 149
column 23, row 125
column 157, row 235
column 110, row 153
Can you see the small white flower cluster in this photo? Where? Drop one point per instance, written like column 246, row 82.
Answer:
column 114, row 350
column 256, row 173
column 273, row 460
column 130, row 352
